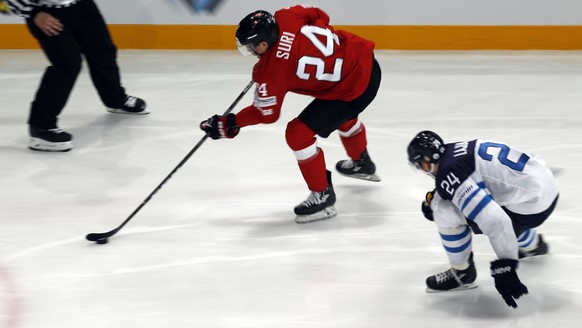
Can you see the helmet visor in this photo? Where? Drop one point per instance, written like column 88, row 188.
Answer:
column 245, row 49
column 415, row 165
column 414, row 159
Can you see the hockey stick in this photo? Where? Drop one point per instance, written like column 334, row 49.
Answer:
column 102, row 238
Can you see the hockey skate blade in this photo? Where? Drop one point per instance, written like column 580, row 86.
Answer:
column 326, row 213
column 462, row 287
column 38, row 144
column 367, row 177
column 121, row 111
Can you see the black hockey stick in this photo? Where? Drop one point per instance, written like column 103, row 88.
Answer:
column 102, row 238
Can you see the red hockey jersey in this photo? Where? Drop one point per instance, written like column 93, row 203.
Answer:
column 310, row 58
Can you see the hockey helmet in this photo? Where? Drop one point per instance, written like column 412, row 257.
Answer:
column 256, row 27
column 427, row 146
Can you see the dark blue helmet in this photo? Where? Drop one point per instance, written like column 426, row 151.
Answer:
column 427, row 146
column 256, row 27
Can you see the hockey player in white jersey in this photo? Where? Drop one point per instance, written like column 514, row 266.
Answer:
column 490, row 188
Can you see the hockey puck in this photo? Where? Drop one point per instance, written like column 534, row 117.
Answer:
column 102, row 241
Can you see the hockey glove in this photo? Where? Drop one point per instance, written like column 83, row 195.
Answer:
column 425, row 206
column 506, row 281
column 4, row 8
column 218, row 126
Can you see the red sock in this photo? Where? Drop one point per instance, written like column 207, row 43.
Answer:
column 355, row 141
column 314, row 173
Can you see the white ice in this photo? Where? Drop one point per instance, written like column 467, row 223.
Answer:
column 217, row 245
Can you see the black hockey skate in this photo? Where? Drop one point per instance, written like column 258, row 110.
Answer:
column 131, row 105
column 363, row 168
column 541, row 249
column 55, row 140
column 318, row 206
column 453, row 279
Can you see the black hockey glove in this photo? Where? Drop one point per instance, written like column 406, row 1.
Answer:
column 506, row 280
column 425, row 206
column 218, row 126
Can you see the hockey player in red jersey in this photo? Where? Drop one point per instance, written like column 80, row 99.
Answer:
column 300, row 52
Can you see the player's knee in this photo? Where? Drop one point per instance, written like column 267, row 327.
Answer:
column 350, row 128
column 298, row 135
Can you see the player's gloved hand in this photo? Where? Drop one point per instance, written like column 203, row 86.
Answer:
column 425, row 206
column 506, row 280
column 4, row 8
column 218, row 126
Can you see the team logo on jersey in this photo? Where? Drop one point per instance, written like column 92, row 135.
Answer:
column 463, row 195
column 262, row 102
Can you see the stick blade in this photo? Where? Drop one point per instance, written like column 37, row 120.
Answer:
column 98, row 236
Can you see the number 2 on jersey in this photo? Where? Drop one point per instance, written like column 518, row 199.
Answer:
column 327, row 49
column 502, row 157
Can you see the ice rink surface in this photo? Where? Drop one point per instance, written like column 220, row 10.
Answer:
column 217, row 245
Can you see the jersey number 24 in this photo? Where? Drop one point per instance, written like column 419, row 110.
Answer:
column 326, row 48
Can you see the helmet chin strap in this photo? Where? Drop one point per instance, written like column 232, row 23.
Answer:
column 431, row 172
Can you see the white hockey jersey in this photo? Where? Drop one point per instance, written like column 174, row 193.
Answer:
column 475, row 178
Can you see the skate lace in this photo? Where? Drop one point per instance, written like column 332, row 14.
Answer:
column 56, row 130
column 348, row 164
column 130, row 101
column 445, row 276
column 315, row 198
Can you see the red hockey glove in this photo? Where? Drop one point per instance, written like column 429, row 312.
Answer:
column 218, row 126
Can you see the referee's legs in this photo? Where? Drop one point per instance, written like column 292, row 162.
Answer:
column 58, row 79
column 101, row 54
